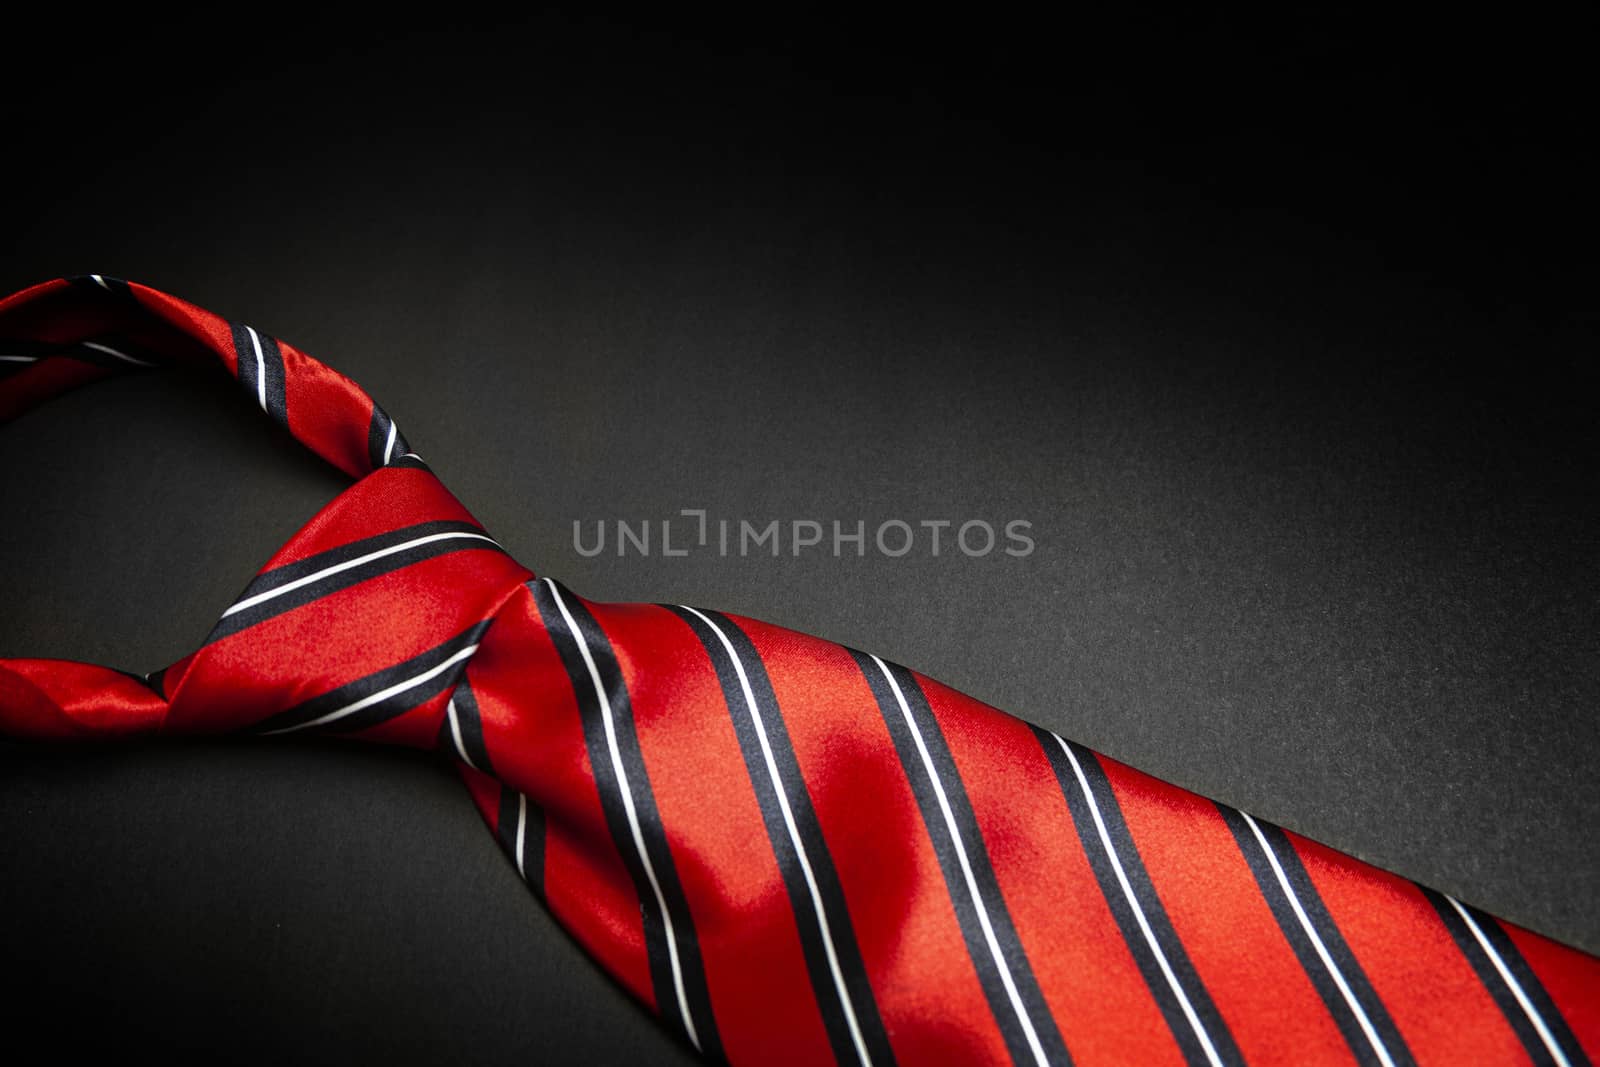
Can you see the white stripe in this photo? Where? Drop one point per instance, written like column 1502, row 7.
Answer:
column 455, row 731
column 108, row 350
column 261, row 369
column 633, row 817
column 409, row 455
column 794, row 838
column 19, row 359
column 1322, row 951
column 966, row 869
column 101, row 282
column 252, row 601
column 1138, row 912
column 381, row 695
column 388, row 449
column 522, row 832
column 1516, row 987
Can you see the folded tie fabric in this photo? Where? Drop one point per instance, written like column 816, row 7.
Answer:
column 789, row 850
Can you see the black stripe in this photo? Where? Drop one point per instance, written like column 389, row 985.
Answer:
column 279, row 577
column 644, row 804
column 8, row 367
column 533, row 848
column 245, row 357
column 1497, row 986
column 506, row 825
column 271, row 364
column 145, row 679
column 847, row 952
column 292, row 572
column 1532, row 988
column 81, row 351
column 944, row 846
column 383, row 710
column 1317, row 912
column 1149, row 902
column 277, row 384
column 532, row 835
column 470, row 723
column 378, row 439
column 113, row 287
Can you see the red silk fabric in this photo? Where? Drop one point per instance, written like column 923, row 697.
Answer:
column 791, row 851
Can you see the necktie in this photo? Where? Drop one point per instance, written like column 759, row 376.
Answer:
column 791, row 851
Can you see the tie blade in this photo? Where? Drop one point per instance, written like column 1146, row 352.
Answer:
column 728, row 815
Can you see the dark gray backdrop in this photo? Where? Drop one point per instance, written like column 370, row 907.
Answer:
column 1280, row 341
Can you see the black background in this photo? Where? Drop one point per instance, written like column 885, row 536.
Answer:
column 1281, row 337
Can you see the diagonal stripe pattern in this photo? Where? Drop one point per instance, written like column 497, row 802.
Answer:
column 838, row 976
column 789, row 850
column 1185, row 1003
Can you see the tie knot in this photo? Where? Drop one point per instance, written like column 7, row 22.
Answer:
column 394, row 575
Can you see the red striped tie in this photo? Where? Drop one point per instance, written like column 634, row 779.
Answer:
column 790, row 850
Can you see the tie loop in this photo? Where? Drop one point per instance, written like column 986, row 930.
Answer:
column 64, row 333
column 393, row 577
